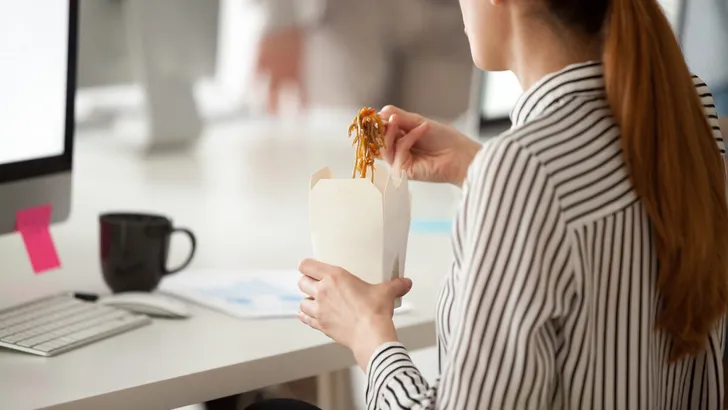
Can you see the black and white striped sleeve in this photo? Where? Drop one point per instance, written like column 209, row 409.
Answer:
column 710, row 112
column 516, row 283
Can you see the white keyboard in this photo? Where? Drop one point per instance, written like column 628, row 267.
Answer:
column 54, row 325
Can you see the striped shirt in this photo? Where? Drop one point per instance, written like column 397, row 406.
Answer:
column 551, row 300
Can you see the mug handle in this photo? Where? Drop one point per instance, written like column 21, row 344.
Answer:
column 193, row 241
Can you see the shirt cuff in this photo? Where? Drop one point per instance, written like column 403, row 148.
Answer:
column 387, row 361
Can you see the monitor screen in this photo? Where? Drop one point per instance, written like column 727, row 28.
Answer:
column 33, row 79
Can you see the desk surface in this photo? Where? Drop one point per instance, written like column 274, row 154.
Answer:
column 243, row 191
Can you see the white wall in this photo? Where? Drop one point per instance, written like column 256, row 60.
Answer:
column 706, row 40
column 501, row 90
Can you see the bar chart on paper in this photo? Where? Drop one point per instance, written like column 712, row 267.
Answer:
column 249, row 295
column 243, row 294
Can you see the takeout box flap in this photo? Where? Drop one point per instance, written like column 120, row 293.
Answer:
column 323, row 173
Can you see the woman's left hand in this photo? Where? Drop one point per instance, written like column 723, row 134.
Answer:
column 354, row 313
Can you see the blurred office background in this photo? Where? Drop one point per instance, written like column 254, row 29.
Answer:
column 154, row 72
column 199, row 54
column 212, row 46
column 155, row 76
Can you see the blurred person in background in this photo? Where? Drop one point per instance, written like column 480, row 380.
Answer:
column 352, row 53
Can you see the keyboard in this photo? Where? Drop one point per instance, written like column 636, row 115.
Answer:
column 49, row 326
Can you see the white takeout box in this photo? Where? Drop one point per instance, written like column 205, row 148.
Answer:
column 361, row 226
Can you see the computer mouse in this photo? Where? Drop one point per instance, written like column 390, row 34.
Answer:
column 152, row 304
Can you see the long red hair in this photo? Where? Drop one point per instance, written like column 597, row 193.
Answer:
column 675, row 165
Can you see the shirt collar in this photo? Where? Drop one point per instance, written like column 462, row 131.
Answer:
column 574, row 80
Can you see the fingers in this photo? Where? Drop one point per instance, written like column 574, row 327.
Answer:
column 309, row 313
column 308, row 320
column 308, row 286
column 406, row 143
column 390, row 138
column 309, row 308
column 391, row 110
column 397, row 144
column 315, row 269
column 402, row 154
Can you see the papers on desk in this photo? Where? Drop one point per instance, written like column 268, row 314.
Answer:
column 243, row 294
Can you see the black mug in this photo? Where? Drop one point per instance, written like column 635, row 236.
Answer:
column 134, row 250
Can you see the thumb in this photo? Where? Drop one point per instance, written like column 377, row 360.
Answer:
column 398, row 287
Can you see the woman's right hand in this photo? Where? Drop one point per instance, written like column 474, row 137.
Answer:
column 426, row 150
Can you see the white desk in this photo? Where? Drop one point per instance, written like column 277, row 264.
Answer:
column 244, row 193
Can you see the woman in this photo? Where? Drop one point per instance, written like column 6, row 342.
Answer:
column 591, row 249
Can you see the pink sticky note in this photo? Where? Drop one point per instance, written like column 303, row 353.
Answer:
column 33, row 225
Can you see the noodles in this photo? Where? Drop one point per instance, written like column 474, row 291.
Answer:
column 369, row 141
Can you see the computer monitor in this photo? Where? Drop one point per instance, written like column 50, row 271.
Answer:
column 37, row 79
column 495, row 93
